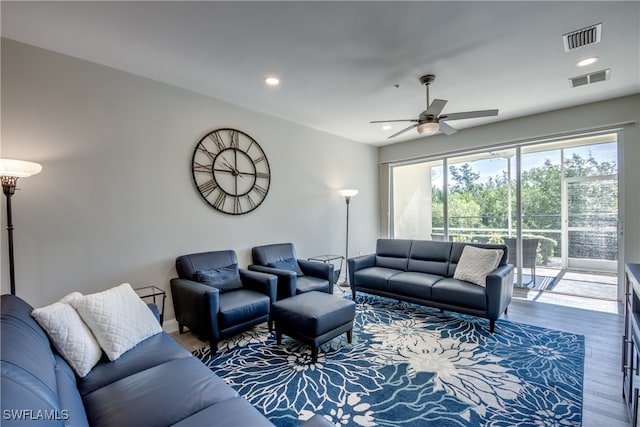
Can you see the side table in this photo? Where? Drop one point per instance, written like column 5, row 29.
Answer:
column 153, row 292
column 330, row 259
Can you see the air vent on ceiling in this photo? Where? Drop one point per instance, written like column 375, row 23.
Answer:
column 598, row 76
column 581, row 38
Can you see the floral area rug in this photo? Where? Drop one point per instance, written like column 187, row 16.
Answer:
column 411, row 365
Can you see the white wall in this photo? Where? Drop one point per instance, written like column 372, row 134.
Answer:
column 115, row 201
column 621, row 113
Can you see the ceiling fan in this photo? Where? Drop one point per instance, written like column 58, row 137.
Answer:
column 430, row 122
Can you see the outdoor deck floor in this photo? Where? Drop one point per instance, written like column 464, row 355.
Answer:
column 602, row 286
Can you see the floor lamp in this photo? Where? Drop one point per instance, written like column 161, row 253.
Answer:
column 347, row 194
column 10, row 171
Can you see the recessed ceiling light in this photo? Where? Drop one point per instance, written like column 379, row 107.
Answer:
column 272, row 81
column 386, row 127
column 587, row 61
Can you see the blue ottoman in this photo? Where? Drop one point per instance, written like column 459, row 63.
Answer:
column 313, row 318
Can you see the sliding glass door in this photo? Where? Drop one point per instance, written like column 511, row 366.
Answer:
column 565, row 229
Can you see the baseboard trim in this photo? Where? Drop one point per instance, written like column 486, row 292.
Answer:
column 170, row 326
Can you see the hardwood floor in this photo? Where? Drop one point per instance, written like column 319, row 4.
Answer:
column 601, row 323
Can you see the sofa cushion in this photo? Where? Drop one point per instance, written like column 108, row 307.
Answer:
column 70, row 399
column 393, row 253
column 118, row 318
column 240, row 306
column 413, row 284
column 476, row 263
column 69, row 334
column 188, row 265
column 263, row 255
column 153, row 351
column 374, row 277
column 224, row 278
column 290, row 264
column 159, row 396
column 231, row 412
column 429, row 256
column 456, row 292
column 311, row 283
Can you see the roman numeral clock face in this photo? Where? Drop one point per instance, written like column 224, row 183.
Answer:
column 230, row 171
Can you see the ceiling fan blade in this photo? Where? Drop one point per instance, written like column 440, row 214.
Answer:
column 446, row 129
column 469, row 115
column 389, row 121
column 436, row 107
column 402, row 131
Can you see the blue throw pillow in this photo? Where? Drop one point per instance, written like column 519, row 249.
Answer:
column 224, row 278
column 290, row 264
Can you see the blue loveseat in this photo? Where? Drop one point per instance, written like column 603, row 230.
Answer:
column 421, row 272
column 156, row 383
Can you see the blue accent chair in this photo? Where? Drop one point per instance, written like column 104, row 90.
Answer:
column 295, row 276
column 216, row 299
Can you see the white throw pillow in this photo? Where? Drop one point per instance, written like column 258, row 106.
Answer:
column 70, row 335
column 476, row 263
column 118, row 318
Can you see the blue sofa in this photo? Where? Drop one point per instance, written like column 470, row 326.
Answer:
column 421, row 272
column 157, row 383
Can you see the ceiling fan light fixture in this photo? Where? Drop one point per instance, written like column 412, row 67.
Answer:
column 587, row 61
column 428, row 128
column 272, row 81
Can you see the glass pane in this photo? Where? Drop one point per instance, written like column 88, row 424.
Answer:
column 593, row 245
column 481, row 196
column 593, row 219
column 542, row 203
column 437, row 202
column 591, row 160
column 412, row 201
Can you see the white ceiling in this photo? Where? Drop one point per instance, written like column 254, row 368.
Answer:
column 339, row 61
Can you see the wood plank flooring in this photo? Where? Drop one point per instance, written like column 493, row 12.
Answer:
column 601, row 322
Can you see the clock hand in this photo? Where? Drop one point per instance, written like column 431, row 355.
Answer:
column 233, row 170
column 226, row 163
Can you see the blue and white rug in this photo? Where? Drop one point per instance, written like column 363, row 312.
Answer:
column 411, row 365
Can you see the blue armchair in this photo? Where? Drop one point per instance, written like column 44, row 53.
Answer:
column 216, row 299
column 295, row 276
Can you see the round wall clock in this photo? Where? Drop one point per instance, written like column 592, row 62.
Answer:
column 231, row 171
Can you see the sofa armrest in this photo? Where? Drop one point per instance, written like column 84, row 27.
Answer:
column 323, row 270
column 286, row 279
column 499, row 290
column 360, row 262
column 264, row 283
column 196, row 306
